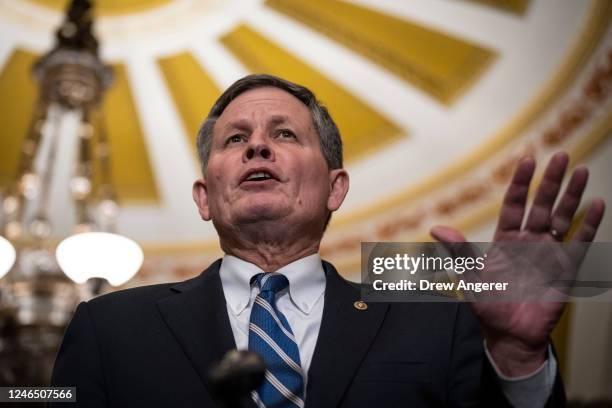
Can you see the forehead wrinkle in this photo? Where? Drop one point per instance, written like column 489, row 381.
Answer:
column 281, row 100
column 253, row 107
column 246, row 118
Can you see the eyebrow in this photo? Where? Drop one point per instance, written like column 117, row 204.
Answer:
column 244, row 124
column 278, row 119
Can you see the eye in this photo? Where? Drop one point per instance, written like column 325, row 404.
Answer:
column 286, row 134
column 234, row 139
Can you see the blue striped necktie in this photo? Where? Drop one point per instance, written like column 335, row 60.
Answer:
column 271, row 337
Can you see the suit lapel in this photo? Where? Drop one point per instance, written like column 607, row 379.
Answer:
column 344, row 339
column 197, row 316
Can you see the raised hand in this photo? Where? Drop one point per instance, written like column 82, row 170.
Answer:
column 518, row 332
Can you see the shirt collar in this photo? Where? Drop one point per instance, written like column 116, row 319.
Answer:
column 306, row 281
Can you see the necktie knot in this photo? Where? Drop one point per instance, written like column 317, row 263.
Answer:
column 271, row 282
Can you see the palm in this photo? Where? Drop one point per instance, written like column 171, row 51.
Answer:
column 522, row 318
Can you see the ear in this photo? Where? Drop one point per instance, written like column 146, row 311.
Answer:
column 200, row 196
column 339, row 183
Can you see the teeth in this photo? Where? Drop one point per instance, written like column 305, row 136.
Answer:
column 259, row 175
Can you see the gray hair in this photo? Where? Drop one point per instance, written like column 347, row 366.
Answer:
column 329, row 136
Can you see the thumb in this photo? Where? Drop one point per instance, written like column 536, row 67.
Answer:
column 456, row 243
column 446, row 234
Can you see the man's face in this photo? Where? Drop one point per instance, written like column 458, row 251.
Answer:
column 266, row 164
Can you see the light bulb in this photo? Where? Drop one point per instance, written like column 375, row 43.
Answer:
column 13, row 230
column 40, row 228
column 108, row 209
column 80, row 187
column 30, row 185
column 10, row 205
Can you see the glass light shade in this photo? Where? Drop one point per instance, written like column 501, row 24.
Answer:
column 7, row 256
column 99, row 255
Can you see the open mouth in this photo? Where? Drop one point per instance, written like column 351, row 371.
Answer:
column 260, row 176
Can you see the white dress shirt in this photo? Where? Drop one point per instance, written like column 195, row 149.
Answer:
column 302, row 304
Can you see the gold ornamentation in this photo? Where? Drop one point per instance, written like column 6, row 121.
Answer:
column 595, row 27
column 437, row 63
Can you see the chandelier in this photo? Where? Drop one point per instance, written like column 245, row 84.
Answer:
column 44, row 279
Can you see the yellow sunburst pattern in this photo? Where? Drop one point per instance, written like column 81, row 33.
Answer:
column 363, row 128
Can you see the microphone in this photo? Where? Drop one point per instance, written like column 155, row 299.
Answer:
column 232, row 380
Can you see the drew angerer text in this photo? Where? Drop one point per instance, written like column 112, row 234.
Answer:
column 426, row 285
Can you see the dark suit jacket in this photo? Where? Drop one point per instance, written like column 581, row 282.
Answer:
column 153, row 346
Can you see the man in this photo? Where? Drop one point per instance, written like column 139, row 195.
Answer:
column 272, row 164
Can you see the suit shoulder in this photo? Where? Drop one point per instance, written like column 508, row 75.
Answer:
column 136, row 295
column 128, row 310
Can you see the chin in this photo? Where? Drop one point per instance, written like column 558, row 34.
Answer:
column 264, row 211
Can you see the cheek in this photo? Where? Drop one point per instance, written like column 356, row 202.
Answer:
column 315, row 188
column 219, row 178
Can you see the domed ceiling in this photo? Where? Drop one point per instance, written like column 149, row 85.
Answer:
column 435, row 101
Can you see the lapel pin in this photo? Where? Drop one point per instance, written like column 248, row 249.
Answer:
column 360, row 305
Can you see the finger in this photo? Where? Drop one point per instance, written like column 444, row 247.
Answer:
column 587, row 230
column 513, row 206
column 539, row 215
column 568, row 204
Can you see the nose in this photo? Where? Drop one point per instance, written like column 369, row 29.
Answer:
column 258, row 148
